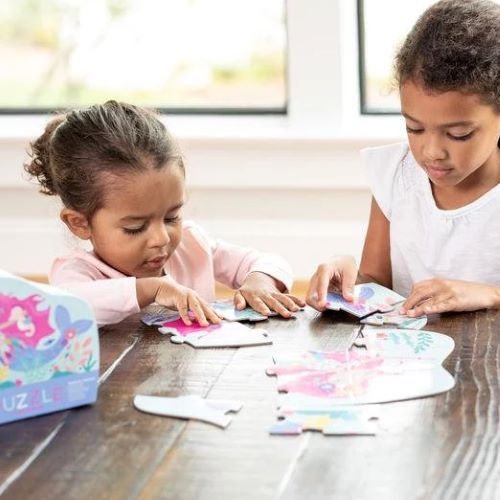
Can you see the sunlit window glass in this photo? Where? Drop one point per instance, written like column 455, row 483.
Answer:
column 384, row 25
column 181, row 54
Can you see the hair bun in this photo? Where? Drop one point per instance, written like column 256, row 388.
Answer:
column 39, row 166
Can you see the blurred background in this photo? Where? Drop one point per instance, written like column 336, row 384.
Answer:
column 271, row 101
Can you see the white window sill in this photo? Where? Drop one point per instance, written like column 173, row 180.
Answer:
column 361, row 130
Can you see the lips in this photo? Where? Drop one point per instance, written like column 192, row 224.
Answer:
column 437, row 171
column 156, row 261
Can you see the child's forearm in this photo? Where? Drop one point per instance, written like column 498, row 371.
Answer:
column 147, row 288
column 365, row 278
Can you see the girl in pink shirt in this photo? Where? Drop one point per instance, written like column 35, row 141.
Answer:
column 121, row 179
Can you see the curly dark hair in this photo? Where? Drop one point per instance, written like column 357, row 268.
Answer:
column 77, row 149
column 455, row 45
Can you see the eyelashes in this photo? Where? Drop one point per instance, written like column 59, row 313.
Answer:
column 138, row 230
column 462, row 138
column 134, row 230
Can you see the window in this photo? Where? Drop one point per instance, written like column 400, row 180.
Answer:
column 379, row 39
column 179, row 55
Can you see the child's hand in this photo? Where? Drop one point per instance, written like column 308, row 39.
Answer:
column 260, row 292
column 439, row 295
column 338, row 275
column 174, row 296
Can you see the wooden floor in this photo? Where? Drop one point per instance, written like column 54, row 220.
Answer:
column 442, row 447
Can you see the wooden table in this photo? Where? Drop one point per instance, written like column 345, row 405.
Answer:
column 438, row 447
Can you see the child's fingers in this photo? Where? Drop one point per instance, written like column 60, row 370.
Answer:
column 239, row 301
column 312, row 294
column 324, row 275
column 349, row 276
column 210, row 314
column 440, row 303
column 423, row 307
column 425, row 290
column 197, row 310
column 182, row 308
column 318, row 287
column 275, row 305
column 258, row 305
column 417, row 296
column 287, row 301
column 312, row 298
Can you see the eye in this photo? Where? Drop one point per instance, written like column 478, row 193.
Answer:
column 172, row 220
column 414, row 130
column 461, row 137
column 134, row 230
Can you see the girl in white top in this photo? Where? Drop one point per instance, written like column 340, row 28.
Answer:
column 434, row 229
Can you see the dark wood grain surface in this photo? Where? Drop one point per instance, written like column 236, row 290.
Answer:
column 445, row 446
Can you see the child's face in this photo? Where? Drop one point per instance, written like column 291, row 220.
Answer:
column 453, row 136
column 140, row 225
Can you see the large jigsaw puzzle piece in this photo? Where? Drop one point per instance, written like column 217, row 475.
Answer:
column 396, row 365
column 221, row 335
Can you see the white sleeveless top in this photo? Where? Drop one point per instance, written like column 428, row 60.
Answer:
column 427, row 242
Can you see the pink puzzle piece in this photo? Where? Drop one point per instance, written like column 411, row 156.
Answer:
column 222, row 335
column 179, row 328
column 402, row 364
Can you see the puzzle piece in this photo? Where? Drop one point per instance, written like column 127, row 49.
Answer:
column 396, row 319
column 366, row 387
column 368, row 298
column 189, row 407
column 406, row 344
column 158, row 318
column 290, row 363
column 224, row 307
column 397, row 365
column 221, row 335
column 227, row 310
column 346, row 420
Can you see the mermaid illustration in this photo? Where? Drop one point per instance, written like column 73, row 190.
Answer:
column 30, row 340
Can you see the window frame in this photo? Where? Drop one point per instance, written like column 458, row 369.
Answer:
column 182, row 111
column 364, row 108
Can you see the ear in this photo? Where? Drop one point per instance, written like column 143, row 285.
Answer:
column 77, row 223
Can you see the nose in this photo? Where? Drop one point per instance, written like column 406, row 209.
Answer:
column 159, row 236
column 433, row 148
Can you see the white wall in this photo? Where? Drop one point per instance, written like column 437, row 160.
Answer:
column 301, row 197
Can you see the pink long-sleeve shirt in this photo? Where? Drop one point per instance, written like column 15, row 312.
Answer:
column 198, row 262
